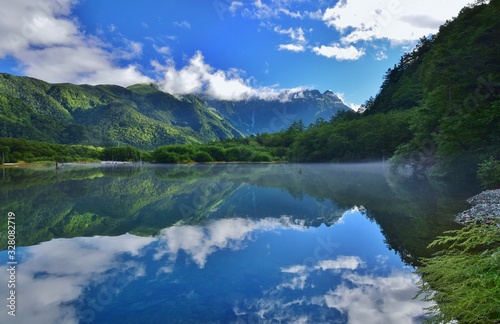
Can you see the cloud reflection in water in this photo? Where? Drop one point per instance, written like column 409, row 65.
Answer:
column 61, row 280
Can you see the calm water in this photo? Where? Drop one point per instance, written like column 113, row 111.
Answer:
column 220, row 243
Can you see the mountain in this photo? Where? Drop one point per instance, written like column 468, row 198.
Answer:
column 437, row 112
column 265, row 116
column 141, row 115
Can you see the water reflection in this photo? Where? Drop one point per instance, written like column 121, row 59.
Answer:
column 227, row 270
column 198, row 242
column 144, row 200
column 54, row 274
column 221, row 243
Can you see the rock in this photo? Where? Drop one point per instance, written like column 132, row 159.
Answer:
column 486, row 197
column 485, row 210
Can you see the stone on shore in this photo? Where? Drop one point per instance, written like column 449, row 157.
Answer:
column 485, row 209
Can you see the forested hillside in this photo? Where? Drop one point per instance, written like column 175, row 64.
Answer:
column 104, row 115
column 143, row 116
column 437, row 111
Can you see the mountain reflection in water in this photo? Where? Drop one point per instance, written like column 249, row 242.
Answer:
column 221, row 243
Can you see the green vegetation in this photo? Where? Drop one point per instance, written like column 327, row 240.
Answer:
column 453, row 79
column 15, row 150
column 464, row 278
column 241, row 150
column 437, row 112
column 140, row 116
column 489, row 173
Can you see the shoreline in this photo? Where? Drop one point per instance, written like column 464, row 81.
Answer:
column 50, row 164
column 485, row 209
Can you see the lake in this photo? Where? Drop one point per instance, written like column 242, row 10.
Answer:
column 221, row 243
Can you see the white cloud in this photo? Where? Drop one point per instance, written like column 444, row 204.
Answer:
column 49, row 45
column 130, row 51
column 295, row 283
column 340, row 53
column 49, row 298
column 342, row 262
column 165, row 50
column 199, row 242
column 182, row 24
column 294, row 269
column 291, row 14
column 235, row 5
column 351, row 105
column 291, row 47
column 199, row 77
column 362, row 298
column 296, row 34
column 396, row 20
column 272, row 9
column 368, row 299
column 381, row 55
column 315, row 15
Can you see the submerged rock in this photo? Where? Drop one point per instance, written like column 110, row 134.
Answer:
column 485, row 209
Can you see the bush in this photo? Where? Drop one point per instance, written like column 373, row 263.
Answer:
column 216, row 152
column 489, row 173
column 463, row 280
column 163, row 155
column 202, row 157
column 261, row 157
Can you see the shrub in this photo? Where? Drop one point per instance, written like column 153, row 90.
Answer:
column 162, row 155
column 489, row 173
column 202, row 157
column 261, row 157
column 463, row 280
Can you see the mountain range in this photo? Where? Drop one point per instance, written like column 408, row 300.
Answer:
column 143, row 116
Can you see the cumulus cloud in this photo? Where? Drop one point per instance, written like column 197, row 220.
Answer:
column 48, row 298
column 199, row 242
column 198, row 77
column 399, row 21
column 368, row 299
column 363, row 298
column 339, row 52
column 351, row 105
column 48, row 43
column 396, row 21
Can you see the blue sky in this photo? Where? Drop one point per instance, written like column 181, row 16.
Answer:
column 223, row 48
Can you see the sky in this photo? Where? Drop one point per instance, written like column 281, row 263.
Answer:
column 226, row 49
